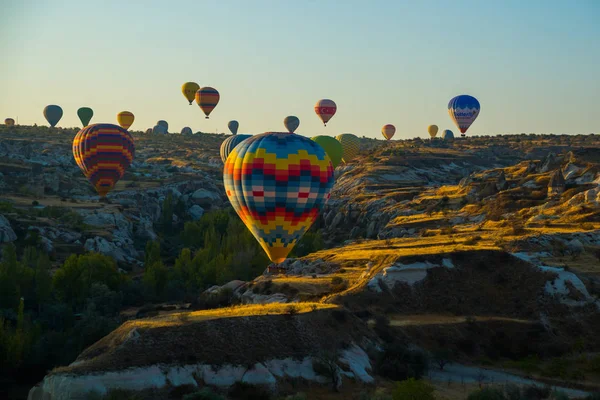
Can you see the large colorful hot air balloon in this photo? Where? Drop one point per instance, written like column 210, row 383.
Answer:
column 388, row 131
column 350, row 146
column 447, row 134
column 325, row 109
column 207, row 99
column 187, row 131
column 189, row 90
column 85, row 114
column 233, row 127
column 291, row 123
column 463, row 110
column 53, row 114
column 432, row 130
column 103, row 152
column 9, row 122
column 125, row 119
column 278, row 184
column 332, row 147
column 229, row 144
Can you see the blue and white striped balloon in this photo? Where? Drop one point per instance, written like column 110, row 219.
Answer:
column 463, row 110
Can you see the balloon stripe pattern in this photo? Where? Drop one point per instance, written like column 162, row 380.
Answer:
column 125, row 119
column 278, row 183
column 229, row 144
column 103, row 152
column 350, row 145
column 388, row 131
column 207, row 99
column 463, row 110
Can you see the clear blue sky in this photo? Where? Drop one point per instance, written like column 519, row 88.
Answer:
column 534, row 65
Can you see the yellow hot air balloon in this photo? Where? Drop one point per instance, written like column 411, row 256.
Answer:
column 125, row 119
column 388, row 131
column 433, row 130
column 189, row 90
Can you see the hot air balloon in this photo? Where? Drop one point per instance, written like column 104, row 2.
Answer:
column 432, row 130
column 103, row 152
column 9, row 122
column 125, row 119
column 325, row 109
column 53, row 114
column 149, row 131
column 229, row 144
column 159, row 130
column 350, row 146
column 332, row 147
column 233, row 127
column 278, row 183
column 207, row 99
column 189, row 90
column 388, row 131
column 447, row 134
column 463, row 110
column 85, row 114
column 291, row 123
column 187, row 131
column 164, row 124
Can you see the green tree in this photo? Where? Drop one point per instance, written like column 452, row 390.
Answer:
column 412, row 389
column 155, row 278
column 152, row 253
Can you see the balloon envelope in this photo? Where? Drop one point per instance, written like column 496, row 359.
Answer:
column 332, row 147
column 432, row 130
column 85, row 114
column 103, row 152
column 291, row 123
column 9, row 122
column 325, row 109
column 189, row 90
column 187, row 131
column 159, row 130
column 463, row 110
column 233, row 127
column 229, row 144
column 350, row 146
column 125, row 119
column 53, row 114
column 163, row 123
column 278, row 183
column 207, row 99
column 447, row 134
column 388, row 131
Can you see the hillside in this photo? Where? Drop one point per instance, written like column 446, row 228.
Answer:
column 485, row 249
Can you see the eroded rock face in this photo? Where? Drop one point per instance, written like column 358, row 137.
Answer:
column 353, row 363
column 6, row 232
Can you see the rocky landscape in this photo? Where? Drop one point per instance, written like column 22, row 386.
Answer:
column 482, row 253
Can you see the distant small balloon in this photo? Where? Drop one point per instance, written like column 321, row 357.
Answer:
column 463, row 110
column 207, row 99
column 85, row 114
column 325, row 110
column 159, row 130
column 163, row 124
column 149, row 131
column 447, row 134
column 189, row 90
column 53, row 114
column 432, row 130
column 291, row 123
column 125, row 119
column 233, row 127
column 186, row 131
column 388, row 131
column 9, row 122
column 230, row 143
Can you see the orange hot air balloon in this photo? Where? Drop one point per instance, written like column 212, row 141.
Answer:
column 189, row 90
column 325, row 109
column 9, row 122
column 207, row 99
column 125, row 119
column 388, row 131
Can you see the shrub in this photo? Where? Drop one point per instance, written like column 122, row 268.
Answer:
column 398, row 363
column 297, row 396
column 536, row 393
column 291, row 310
column 412, row 389
column 378, row 395
column 246, row 391
column 336, row 280
column 487, row 394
